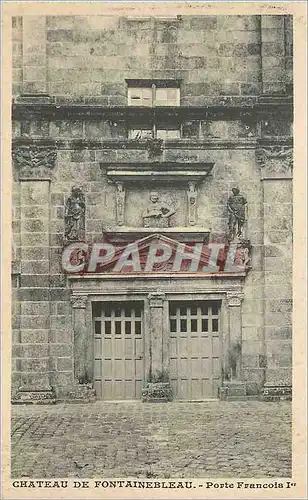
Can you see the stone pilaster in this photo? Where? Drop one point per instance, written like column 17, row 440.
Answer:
column 157, row 388
column 79, row 304
column 82, row 389
column 156, row 302
column 276, row 175
column 32, row 353
column 234, row 301
column 234, row 386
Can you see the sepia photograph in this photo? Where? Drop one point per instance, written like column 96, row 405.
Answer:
column 151, row 256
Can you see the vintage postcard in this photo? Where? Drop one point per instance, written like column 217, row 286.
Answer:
column 154, row 250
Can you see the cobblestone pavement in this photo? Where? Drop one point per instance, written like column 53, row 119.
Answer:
column 209, row 439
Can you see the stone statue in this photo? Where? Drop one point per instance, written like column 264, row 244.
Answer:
column 157, row 213
column 74, row 218
column 120, row 199
column 237, row 211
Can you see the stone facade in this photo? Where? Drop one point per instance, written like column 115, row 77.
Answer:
column 71, row 123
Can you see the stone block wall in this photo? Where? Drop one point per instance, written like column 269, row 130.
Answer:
column 86, row 60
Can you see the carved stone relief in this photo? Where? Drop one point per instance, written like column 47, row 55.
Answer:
column 156, row 299
column 192, row 203
column 275, row 160
column 243, row 254
column 234, row 299
column 157, row 213
column 79, row 301
column 120, row 200
column 74, row 218
column 34, row 161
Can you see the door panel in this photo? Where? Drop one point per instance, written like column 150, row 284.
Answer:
column 194, row 355
column 118, row 350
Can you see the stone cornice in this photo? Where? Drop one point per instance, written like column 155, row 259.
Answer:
column 81, row 144
column 220, row 107
column 157, row 172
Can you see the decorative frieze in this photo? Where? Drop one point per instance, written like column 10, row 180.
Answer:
column 34, row 161
column 79, row 301
column 216, row 107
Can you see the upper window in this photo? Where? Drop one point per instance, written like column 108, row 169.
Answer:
column 153, row 93
column 140, row 96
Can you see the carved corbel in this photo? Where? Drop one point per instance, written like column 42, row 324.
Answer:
column 234, row 299
column 34, row 161
column 120, row 203
column 275, row 161
column 192, row 203
column 156, row 299
column 79, row 301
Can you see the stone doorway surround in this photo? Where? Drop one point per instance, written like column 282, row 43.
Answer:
column 155, row 292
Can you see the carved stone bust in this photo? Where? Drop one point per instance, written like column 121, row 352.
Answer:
column 157, row 213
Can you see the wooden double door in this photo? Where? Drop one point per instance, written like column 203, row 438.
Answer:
column 119, row 349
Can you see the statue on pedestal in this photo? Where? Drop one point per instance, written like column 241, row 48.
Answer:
column 74, row 217
column 157, row 213
column 237, row 214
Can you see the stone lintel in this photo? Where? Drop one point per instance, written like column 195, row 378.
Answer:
column 161, row 171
